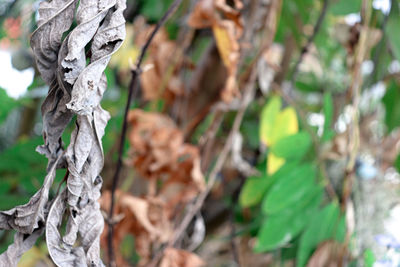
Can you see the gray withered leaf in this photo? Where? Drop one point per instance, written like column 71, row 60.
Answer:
column 62, row 254
column 20, row 245
column 26, row 218
column 55, row 114
column 88, row 17
column 55, row 18
column 91, row 83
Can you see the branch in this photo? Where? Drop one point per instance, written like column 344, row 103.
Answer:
column 310, row 40
column 133, row 87
column 249, row 91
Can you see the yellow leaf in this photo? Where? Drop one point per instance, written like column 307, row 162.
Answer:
column 285, row 124
column 226, row 43
column 274, row 163
column 267, row 119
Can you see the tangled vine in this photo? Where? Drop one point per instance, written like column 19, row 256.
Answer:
column 72, row 63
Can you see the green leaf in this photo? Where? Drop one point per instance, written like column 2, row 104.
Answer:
column 289, row 189
column 344, row 7
column 340, row 231
column 392, row 30
column 328, row 115
column 369, row 258
column 321, row 228
column 293, row 146
column 391, row 100
column 7, row 104
column 268, row 116
column 254, row 188
column 279, row 229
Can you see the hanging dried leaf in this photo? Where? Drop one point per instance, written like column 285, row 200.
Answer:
column 227, row 25
column 55, row 18
column 144, row 218
column 180, row 258
column 26, row 218
column 75, row 88
column 158, row 152
column 166, row 59
column 326, row 255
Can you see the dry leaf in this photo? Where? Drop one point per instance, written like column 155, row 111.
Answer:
column 162, row 81
column 144, row 218
column 158, row 152
column 180, row 258
column 75, row 88
column 227, row 25
column 326, row 255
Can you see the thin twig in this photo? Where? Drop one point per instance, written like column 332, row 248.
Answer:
column 133, row 87
column 310, row 40
column 192, row 211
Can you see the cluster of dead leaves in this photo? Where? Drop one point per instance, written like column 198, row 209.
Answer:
column 172, row 167
column 164, row 63
column 227, row 25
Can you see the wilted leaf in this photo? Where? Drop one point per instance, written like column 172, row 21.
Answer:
column 227, row 27
column 179, row 258
column 144, row 218
column 327, row 255
column 166, row 60
column 158, row 152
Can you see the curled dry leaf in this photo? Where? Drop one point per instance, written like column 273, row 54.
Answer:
column 227, row 25
column 328, row 254
column 180, row 258
column 75, row 88
column 159, row 152
column 144, row 218
column 160, row 155
column 166, row 58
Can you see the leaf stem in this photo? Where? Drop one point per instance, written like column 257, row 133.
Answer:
column 133, row 87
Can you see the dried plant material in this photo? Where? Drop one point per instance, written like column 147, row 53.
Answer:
column 172, row 168
column 158, row 152
column 75, row 88
column 268, row 66
column 241, row 164
column 144, row 218
column 22, row 244
column 162, row 80
column 328, row 254
column 227, row 25
column 180, row 258
column 55, row 18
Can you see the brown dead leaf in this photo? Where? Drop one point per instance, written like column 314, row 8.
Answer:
column 227, row 26
column 162, row 81
column 159, row 152
column 327, row 255
column 144, row 218
column 180, row 258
